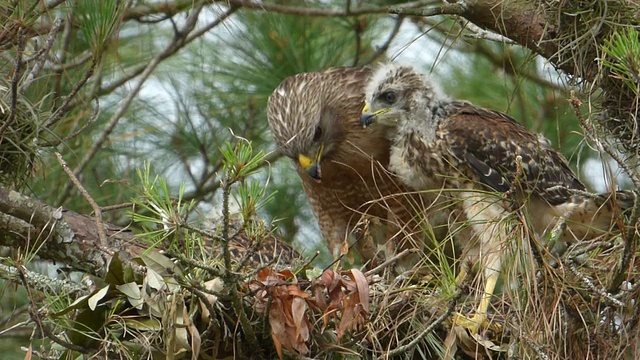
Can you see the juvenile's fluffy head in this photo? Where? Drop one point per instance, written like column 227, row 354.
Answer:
column 394, row 92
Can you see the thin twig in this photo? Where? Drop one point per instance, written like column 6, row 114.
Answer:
column 96, row 209
column 228, row 277
column 35, row 316
column 214, row 325
column 14, row 83
column 213, row 271
column 482, row 34
column 94, row 116
column 75, row 62
column 405, row 348
column 309, row 11
column 16, row 326
column 442, row 9
column 380, row 50
column 591, row 133
column 41, row 56
column 66, row 104
column 226, row 256
column 630, row 245
column 117, row 207
column 389, row 261
column 587, row 282
column 63, row 50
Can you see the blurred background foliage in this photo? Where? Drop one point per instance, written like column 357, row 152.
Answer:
column 214, row 86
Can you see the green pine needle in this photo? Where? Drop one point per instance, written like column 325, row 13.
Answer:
column 99, row 21
column 622, row 57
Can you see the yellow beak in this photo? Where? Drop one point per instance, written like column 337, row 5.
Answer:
column 312, row 166
column 367, row 116
column 304, row 161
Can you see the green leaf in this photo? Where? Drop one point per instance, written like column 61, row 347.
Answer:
column 132, row 291
column 143, row 324
column 159, row 263
column 154, row 280
column 86, row 326
column 240, row 160
column 115, row 275
column 95, row 298
column 79, row 303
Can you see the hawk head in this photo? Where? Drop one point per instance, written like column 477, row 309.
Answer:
column 306, row 115
column 395, row 94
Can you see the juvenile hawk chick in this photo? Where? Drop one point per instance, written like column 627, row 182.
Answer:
column 486, row 165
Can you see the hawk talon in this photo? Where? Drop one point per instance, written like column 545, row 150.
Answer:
column 476, row 323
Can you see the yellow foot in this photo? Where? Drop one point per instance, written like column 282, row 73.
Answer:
column 474, row 336
column 476, row 323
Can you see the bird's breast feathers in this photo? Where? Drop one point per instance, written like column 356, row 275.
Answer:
column 419, row 163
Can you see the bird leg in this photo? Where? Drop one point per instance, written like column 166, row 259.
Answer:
column 478, row 320
column 491, row 235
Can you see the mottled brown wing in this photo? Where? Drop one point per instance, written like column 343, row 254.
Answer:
column 489, row 142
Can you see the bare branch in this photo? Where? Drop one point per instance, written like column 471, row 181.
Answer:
column 41, row 282
column 96, row 209
column 309, row 11
column 178, row 42
column 442, row 9
column 41, row 56
column 72, row 238
column 385, row 46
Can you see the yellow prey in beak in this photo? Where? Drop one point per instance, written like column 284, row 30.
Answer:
column 368, row 117
column 312, row 166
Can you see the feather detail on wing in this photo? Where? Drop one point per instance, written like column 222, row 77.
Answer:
column 489, row 143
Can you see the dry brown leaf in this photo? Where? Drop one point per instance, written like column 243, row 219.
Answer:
column 317, row 287
column 287, row 274
column 278, row 345
column 193, row 332
column 294, row 290
column 348, row 306
column 276, row 318
column 362, row 286
column 299, row 312
column 344, row 249
column 290, row 325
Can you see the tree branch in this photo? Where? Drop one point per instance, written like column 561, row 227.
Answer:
column 67, row 237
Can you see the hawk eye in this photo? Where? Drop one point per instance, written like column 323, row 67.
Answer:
column 317, row 134
column 388, row 96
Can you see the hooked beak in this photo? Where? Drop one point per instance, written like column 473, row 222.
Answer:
column 312, row 166
column 368, row 117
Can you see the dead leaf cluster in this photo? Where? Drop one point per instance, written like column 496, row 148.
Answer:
column 341, row 299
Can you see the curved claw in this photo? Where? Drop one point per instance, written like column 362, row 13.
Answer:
column 475, row 323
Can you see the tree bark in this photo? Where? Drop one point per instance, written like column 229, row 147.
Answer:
column 66, row 237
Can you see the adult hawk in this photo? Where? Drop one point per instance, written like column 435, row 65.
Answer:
column 486, row 165
column 315, row 120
